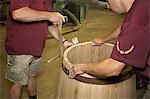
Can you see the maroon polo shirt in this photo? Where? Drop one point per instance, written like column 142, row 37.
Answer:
column 27, row 38
column 133, row 44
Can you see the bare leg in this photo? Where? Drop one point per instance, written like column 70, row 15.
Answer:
column 15, row 91
column 32, row 85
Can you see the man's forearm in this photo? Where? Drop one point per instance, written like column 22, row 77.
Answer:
column 27, row 14
column 113, row 35
column 106, row 68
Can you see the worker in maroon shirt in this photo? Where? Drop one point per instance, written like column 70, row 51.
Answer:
column 27, row 30
column 132, row 46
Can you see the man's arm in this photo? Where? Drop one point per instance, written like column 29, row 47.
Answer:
column 113, row 35
column 106, row 68
column 27, row 14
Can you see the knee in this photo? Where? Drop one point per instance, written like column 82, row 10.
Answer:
column 15, row 88
column 32, row 75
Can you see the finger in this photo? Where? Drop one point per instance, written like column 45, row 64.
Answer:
column 94, row 43
column 71, row 76
column 68, row 43
column 62, row 17
column 59, row 21
column 55, row 23
column 71, row 44
column 72, row 73
column 71, row 66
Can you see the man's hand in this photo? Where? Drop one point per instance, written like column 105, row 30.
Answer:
column 76, row 69
column 97, row 41
column 56, row 18
column 67, row 44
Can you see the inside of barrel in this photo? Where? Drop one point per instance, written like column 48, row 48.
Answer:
column 88, row 53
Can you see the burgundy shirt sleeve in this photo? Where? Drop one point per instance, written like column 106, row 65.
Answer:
column 132, row 35
column 133, row 44
column 16, row 4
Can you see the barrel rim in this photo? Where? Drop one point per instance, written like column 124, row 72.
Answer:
column 93, row 80
column 100, row 81
column 65, row 59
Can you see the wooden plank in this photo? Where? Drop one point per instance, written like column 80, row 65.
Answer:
column 73, row 89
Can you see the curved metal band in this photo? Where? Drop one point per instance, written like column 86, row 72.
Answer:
column 101, row 81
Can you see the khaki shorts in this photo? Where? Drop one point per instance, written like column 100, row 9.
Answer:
column 147, row 93
column 20, row 67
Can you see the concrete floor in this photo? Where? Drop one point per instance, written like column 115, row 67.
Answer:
column 99, row 22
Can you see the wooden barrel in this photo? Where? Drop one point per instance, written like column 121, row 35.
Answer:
column 89, row 87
